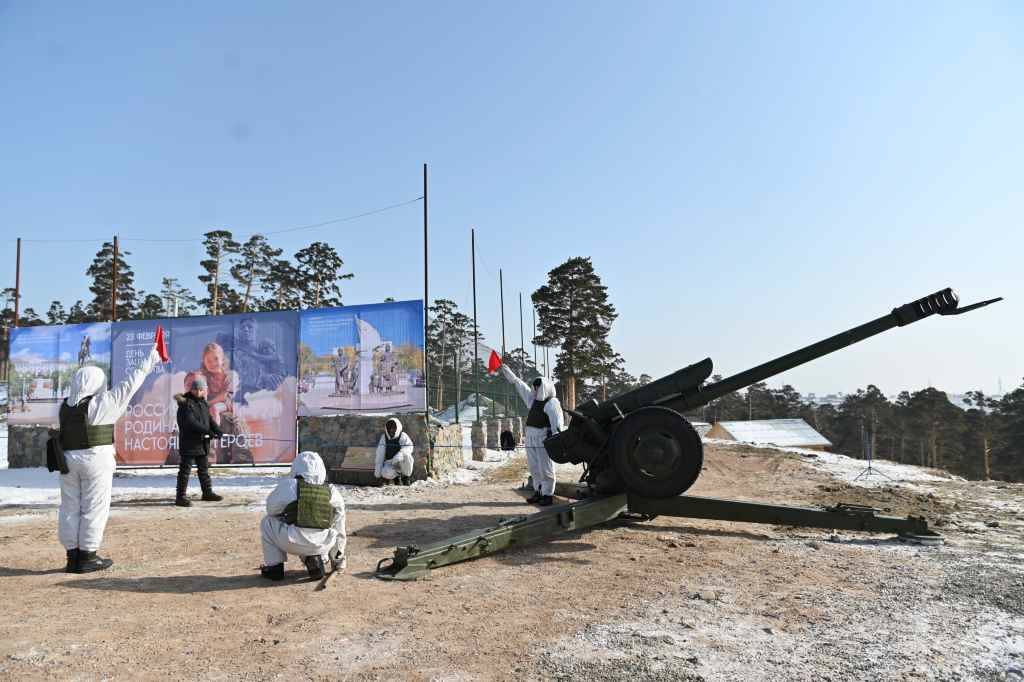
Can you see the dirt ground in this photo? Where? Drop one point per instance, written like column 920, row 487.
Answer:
column 665, row 599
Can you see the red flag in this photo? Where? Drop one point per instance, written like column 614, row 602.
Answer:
column 493, row 363
column 161, row 345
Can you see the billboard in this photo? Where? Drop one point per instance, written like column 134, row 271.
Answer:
column 249, row 362
column 361, row 359
column 43, row 360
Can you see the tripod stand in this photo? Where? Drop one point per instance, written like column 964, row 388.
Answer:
column 868, row 444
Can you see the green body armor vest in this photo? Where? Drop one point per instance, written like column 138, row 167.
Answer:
column 75, row 432
column 313, row 508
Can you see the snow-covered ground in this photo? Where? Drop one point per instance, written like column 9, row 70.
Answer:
column 852, row 470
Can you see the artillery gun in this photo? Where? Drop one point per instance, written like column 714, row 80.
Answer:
column 640, row 455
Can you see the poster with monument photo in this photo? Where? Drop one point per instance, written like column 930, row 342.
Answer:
column 43, row 360
column 361, row 359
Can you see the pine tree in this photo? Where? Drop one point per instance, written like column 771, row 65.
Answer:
column 102, row 272
column 56, row 314
column 252, row 265
column 282, row 283
column 1008, row 455
column 30, row 318
column 573, row 312
column 78, row 314
column 319, row 274
column 221, row 298
column 978, row 434
column 151, row 308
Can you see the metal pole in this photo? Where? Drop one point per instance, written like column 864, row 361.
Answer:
column 476, row 333
column 426, row 306
column 501, row 289
column 522, row 337
column 113, row 288
column 17, row 283
column 534, row 339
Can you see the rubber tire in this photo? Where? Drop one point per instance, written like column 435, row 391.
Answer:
column 673, row 431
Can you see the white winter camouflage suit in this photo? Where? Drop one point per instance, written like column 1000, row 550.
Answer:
column 85, row 489
column 542, row 469
column 400, row 464
column 281, row 539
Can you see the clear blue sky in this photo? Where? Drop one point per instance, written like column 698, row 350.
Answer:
column 747, row 177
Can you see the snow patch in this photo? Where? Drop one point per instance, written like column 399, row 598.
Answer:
column 849, row 468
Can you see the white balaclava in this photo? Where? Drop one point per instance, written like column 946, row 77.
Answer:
column 86, row 382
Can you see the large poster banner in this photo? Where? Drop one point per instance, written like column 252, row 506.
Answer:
column 249, row 363
column 43, row 360
column 360, row 359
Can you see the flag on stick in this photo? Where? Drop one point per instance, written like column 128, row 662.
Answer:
column 161, row 345
column 493, row 363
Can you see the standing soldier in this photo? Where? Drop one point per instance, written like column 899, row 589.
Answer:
column 544, row 419
column 87, row 417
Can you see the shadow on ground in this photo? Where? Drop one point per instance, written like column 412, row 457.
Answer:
column 182, row 584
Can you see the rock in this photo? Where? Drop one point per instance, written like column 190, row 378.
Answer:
column 693, row 659
column 769, row 631
column 691, row 544
column 992, row 524
column 813, row 544
column 709, row 596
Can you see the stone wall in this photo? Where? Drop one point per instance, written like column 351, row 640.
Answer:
column 348, row 445
column 493, row 427
column 479, row 440
column 26, row 446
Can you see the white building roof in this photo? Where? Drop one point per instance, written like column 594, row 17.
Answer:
column 790, row 433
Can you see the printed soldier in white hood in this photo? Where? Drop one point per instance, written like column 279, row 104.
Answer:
column 394, row 454
column 545, row 418
column 87, row 418
column 305, row 517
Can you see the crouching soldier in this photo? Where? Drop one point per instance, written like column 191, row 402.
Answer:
column 305, row 517
column 394, row 454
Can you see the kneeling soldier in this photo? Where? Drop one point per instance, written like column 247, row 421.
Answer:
column 305, row 517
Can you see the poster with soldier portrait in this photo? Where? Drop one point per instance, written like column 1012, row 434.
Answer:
column 249, row 363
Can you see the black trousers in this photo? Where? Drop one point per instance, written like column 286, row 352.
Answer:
column 202, row 463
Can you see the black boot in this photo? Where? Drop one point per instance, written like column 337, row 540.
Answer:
column 179, row 495
column 275, row 572
column 89, row 562
column 406, row 480
column 535, row 498
column 205, row 483
column 72, row 566
column 545, row 501
column 314, row 566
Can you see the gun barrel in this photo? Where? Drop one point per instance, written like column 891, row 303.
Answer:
column 943, row 302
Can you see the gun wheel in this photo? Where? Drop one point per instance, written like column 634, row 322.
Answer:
column 657, row 453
